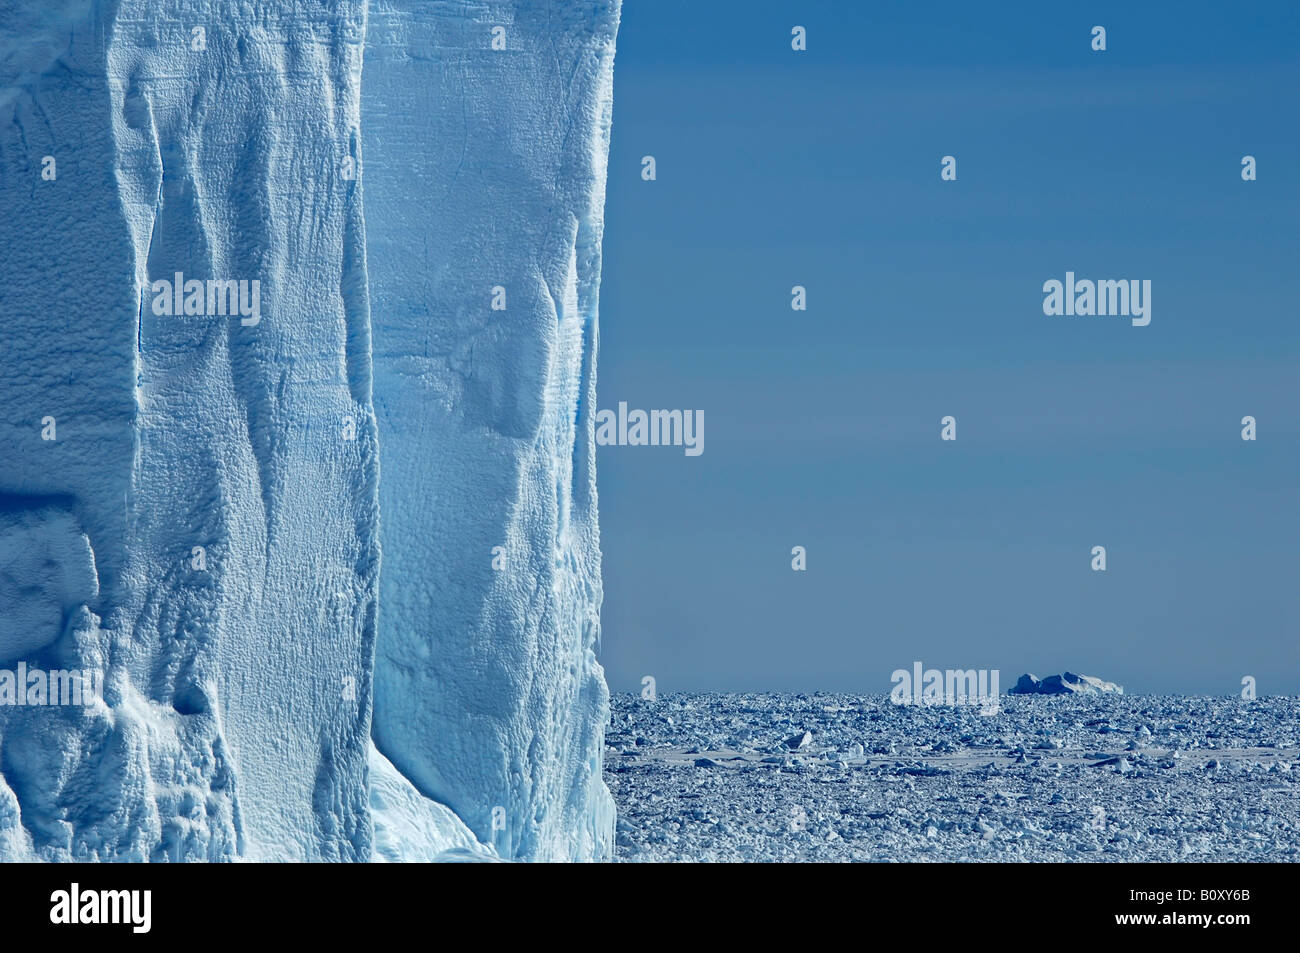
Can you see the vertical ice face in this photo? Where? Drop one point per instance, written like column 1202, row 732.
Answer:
column 189, row 461
column 486, row 133
column 195, row 491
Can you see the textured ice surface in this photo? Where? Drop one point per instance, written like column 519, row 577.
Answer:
column 203, row 525
column 47, row 570
column 484, row 181
column 226, row 730
column 1071, row 777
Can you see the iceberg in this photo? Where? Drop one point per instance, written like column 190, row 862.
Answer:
column 242, row 281
column 1067, row 683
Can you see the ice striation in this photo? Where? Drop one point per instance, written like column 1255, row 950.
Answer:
column 190, row 493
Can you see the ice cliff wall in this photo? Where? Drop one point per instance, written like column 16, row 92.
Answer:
column 485, row 133
column 190, row 502
column 216, row 538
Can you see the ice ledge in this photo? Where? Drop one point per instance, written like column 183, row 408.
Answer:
column 411, row 828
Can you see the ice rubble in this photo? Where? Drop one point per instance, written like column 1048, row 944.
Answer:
column 204, row 526
column 1095, row 777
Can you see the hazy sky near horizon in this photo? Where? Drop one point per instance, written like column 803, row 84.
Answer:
column 821, row 168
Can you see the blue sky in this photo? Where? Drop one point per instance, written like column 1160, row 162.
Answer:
column 821, row 168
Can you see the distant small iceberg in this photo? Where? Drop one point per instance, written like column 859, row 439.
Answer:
column 1065, row 684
